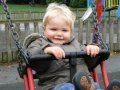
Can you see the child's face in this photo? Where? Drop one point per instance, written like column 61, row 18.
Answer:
column 57, row 31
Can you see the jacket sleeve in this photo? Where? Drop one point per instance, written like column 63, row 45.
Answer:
column 37, row 46
column 73, row 46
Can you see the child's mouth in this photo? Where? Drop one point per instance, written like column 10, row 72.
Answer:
column 59, row 38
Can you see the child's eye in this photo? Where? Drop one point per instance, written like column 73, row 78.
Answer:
column 53, row 29
column 64, row 30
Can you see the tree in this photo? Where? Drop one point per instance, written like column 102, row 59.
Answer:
column 20, row 1
column 72, row 3
column 78, row 3
column 27, row 1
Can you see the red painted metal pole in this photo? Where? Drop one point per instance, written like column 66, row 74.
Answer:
column 95, row 75
column 104, row 74
column 30, row 78
column 26, row 84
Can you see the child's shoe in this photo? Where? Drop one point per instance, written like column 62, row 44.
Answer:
column 114, row 85
column 83, row 82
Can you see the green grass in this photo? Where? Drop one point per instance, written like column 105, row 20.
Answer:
column 24, row 8
column 28, row 8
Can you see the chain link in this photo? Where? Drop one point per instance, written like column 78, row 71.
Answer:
column 96, row 34
column 22, row 53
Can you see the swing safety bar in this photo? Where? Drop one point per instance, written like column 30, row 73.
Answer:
column 29, row 77
column 81, row 54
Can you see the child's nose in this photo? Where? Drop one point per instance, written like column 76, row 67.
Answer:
column 59, row 33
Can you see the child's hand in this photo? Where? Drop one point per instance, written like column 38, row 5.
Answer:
column 56, row 51
column 92, row 50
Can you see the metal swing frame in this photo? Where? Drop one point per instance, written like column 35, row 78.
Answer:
column 25, row 69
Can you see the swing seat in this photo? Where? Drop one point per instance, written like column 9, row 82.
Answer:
column 26, row 71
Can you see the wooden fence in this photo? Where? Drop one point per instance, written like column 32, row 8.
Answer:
column 110, row 33
column 26, row 23
column 38, row 16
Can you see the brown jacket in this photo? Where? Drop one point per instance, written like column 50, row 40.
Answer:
column 35, row 43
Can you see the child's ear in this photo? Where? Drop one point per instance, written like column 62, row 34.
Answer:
column 43, row 28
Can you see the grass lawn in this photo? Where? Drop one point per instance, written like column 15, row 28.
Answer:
column 28, row 8
column 24, row 8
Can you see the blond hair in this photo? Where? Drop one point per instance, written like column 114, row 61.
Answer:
column 55, row 10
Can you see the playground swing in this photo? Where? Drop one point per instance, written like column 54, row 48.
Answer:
column 25, row 69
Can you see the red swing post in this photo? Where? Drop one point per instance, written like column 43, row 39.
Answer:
column 97, row 7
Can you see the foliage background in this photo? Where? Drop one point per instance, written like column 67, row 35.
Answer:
column 71, row 3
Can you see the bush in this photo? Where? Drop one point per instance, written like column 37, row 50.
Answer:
column 19, row 1
column 57, row 1
column 71, row 3
column 78, row 3
column 27, row 1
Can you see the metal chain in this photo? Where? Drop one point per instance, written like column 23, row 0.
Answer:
column 21, row 51
column 96, row 34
